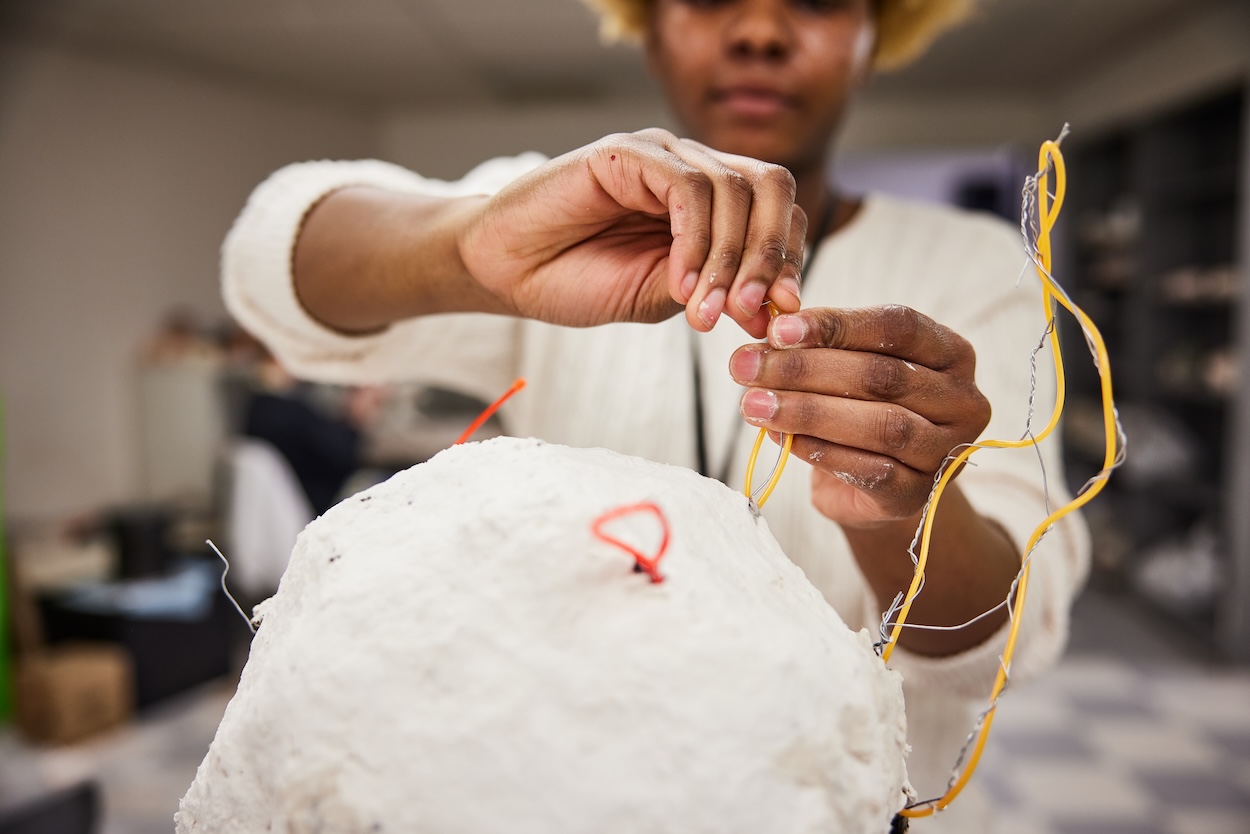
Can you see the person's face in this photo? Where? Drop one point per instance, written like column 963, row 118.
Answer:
column 762, row 78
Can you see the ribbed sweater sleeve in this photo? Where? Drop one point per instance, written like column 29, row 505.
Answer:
column 463, row 351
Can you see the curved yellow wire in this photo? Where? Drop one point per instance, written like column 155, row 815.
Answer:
column 787, row 441
column 1048, row 156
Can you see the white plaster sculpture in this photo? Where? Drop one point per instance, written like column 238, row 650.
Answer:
column 455, row 652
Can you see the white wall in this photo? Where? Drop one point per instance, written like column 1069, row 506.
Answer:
column 117, row 185
column 446, row 144
column 888, row 124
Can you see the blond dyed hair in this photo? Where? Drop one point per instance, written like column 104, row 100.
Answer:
column 905, row 28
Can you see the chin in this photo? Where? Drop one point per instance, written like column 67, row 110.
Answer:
column 748, row 143
column 769, row 143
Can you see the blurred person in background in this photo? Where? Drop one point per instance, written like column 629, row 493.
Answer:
column 324, row 448
column 623, row 278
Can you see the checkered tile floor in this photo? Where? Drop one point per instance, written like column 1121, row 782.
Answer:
column 1134, row 735
column 1131, row 734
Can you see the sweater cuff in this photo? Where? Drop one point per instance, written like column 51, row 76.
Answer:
column 256, row 260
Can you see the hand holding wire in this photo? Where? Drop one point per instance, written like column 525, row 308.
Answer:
column 1039, row 212
column 635, row 227
column 875, row 398
column 789, row 407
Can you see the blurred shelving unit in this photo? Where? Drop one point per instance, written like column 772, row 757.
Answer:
column 1155, row 250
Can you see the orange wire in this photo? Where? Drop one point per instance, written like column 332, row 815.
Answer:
column 490, row 410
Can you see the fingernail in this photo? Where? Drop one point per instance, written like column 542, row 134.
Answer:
column 790, row 285
column 744, row 365
column 788, row 330
column 688, row 284
column 750, row 298
column 759, row 405
column 711, row 307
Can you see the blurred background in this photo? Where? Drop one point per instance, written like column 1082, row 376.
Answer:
column 132, row 131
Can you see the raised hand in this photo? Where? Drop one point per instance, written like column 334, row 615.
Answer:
column 630, row 228
column 635, row 226
column 876, row 398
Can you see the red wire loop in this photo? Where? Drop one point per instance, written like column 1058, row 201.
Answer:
column 648, row 564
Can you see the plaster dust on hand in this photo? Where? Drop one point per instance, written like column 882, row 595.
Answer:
column 454, row 650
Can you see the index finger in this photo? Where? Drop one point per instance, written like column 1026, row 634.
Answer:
column 892, row 330
column 772, row 249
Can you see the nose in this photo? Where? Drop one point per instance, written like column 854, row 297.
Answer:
column 760, row 29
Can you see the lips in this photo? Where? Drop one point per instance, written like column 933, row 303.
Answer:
column 753, row 102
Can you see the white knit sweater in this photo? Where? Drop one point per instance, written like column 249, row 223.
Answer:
column 629, row 387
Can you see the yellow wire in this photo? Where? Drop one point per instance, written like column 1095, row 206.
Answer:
column 787, row 441
column 1048, row 156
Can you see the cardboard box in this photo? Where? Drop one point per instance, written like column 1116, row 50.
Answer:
column 70, row 691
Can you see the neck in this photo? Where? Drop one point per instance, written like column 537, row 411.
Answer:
column 819, row 202
column 826, row 209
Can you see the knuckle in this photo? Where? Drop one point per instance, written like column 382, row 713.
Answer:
column 779, row 178
column 658, row 135
column 698, row 181
column 806, row 414
column 798, row 223
column 787, row 366
column 895, row 429
column 614, row 140
column 700, row 237
column 728, row 259
column 962, row 351
column 620, row 143
column 826, row 326
column 982, row 411
column 736, row 185
column 879, row 476
column 898, row 323
column 887, row 476
column 773, row 252
column 602, row 150
column 883, row 377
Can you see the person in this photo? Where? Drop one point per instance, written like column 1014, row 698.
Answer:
column 323, row 449
column 624, row 277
